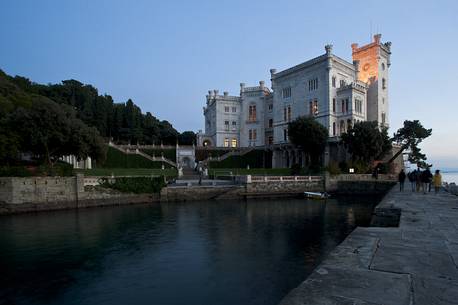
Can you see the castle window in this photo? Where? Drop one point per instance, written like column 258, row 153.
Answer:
column 383, row 83
column 342, row 83
column 234, row 125
column 315, row 107
column 334, row 128
column 285, row 134
column 226, row 142
column 333, row 81
column 346, row 106
column 284, row 114
column 286, row 92
column 226, row 109
column 334, row 105
column 270, row 140
column 358, row 106
column 289, row 113
column 234, row 109
column 342, row 126
column 226, row 125
column 343, row 106
column 234, row 143
column 313, row 84
column 252, row 113
column 271, row 107
column 252, row 134
column 383, row 118
column 271, row 123
column 383, row 66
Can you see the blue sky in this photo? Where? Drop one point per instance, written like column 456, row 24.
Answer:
column 166, row 55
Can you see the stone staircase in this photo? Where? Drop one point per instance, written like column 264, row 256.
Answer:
column 238, row 152
column 140, row 153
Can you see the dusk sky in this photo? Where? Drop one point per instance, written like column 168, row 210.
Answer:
column 166, row 55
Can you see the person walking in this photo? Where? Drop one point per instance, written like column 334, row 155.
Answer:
column 437, row 181
column 418, row 179
column 412, row 180
column 401, row 179
column 424, row 178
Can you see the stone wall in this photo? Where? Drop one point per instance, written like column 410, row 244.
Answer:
column 18, row 190
column 33, row 194
column 293, row 187
column 359, row 184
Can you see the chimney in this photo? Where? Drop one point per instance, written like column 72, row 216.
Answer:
column 377, row 38
column 215, row 92
column 261, row 84
column 356, row 64
column 226, row 93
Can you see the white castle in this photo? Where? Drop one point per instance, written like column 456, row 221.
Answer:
column 334, row 91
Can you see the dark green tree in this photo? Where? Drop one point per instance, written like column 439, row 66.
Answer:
column 187, row 138
column 310, row 136
column 366, row 142
column 409, row 137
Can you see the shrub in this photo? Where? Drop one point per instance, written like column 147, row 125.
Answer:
column 333, row 168
column 137, row 185
column 295, row 169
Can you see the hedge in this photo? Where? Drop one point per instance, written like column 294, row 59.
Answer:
column 137, row 185
column 255, row 159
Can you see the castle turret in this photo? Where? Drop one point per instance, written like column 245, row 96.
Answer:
column 374, row 61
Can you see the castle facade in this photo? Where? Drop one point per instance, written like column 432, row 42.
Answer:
column 337, row 93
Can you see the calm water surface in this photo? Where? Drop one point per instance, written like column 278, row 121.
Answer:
column 251, row 252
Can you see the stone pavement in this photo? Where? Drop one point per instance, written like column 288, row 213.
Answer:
column 415, row 263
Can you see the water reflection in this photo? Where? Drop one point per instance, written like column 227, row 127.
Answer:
column 193, row 253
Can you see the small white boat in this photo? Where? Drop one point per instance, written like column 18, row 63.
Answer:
column 316, row 195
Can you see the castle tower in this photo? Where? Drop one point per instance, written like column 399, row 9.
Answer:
column 374, row 63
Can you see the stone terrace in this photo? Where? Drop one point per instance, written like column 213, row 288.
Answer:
column 415, row 263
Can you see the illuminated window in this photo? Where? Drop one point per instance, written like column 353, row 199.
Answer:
column 286, row 92
column 234, row 143
column 252, row 113
column 226, row 142
column 314, row 109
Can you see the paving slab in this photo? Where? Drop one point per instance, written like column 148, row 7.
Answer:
column 414, row 263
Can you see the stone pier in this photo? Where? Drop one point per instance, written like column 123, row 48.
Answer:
column 413, row 263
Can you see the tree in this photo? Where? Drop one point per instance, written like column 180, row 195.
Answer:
column 409, row 137
column 310, row 136
column 50, row 131
column 187, row 138
column 366, row 142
